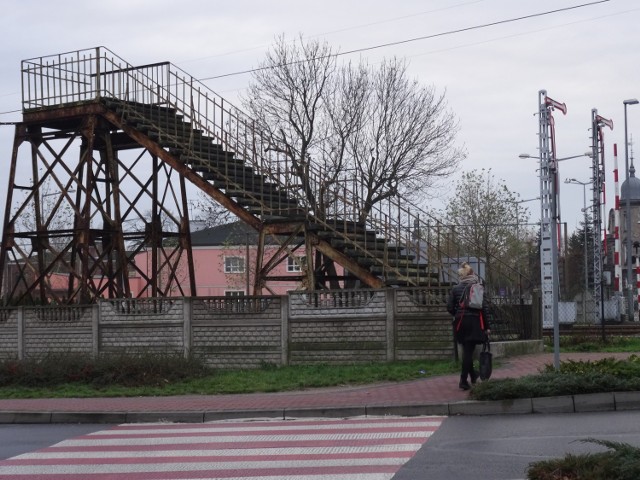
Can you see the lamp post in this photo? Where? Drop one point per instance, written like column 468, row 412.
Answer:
column 586, row 257
column 549, row 219
column 627, row 211
column 586, row 154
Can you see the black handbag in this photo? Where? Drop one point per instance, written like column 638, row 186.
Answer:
column 486, row 361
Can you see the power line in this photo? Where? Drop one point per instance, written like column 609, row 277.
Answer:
column 388, row 20
column 346, row 29
column 416, row 39
column 520, row 34
column 7, row 112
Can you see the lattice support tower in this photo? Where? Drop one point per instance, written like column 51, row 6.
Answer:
column 549, row 209
column 598, row 178
column 86, row 207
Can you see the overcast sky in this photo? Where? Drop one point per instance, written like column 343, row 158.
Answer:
column 586, row 57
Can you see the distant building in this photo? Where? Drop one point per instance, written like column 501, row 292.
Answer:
column 224, row 258
column 630, row 189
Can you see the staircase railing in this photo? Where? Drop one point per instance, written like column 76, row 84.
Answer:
column 94, row 74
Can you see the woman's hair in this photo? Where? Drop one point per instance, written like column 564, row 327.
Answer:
column 465, row 270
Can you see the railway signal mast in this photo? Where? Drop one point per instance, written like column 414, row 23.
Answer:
column 597, row 145
column 549, row 221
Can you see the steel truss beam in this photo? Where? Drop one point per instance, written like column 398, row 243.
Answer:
column 85, row 203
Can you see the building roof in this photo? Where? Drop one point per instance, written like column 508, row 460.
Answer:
column 631, row 188
column 235, row 233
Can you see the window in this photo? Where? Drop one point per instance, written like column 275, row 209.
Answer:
column 233, row 264
column 234, row 293
column 296, row 264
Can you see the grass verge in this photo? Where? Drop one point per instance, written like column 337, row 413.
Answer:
column 577, row 343
column 160, row 375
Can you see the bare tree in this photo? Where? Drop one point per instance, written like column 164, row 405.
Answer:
column 405, row 136
column 208, row 212
column 286, row 97
column 374, row 127
column 56, row 214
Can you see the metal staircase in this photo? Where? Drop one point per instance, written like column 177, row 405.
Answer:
column 260, row 198
column 113, row 107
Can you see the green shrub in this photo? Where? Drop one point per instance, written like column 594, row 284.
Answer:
column 144, row 369
column 621, row 462
column 572, row 378
column 627, row 368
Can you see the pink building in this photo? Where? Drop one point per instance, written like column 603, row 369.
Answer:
column 221, row 256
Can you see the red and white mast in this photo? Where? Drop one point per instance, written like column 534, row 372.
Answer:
column 598, row 122
column 617, row 267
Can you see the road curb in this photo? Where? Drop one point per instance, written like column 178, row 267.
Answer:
column 597, row 402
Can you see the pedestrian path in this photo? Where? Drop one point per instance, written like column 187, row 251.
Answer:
column 429, row 391
column 349, row 449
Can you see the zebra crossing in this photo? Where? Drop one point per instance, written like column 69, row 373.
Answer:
column 348, row 449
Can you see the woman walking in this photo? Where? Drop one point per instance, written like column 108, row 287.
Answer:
column 470, row 325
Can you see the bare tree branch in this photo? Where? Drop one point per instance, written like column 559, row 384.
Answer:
column 372, row 132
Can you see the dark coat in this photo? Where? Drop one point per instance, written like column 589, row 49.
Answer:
column 469, row 324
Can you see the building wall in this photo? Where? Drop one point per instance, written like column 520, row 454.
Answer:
column 635, row 232
column 211, row 278
column 242, row 332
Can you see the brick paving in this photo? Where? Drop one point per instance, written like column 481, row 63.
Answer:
column 433, row 390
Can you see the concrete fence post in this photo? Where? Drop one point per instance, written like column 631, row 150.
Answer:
column 187, row 313
column 95, row 330
column 284, row 329
column 390, row 307
column 20, row 322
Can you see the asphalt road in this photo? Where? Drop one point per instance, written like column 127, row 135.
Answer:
column 19, row 439
column 501, row 447
column 462, row 447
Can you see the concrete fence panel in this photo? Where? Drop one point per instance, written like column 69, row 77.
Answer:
column 340, row 326
column 237, row 332
column 9, row 338
column 141, row 325
column 57, row 329
column 343, row 326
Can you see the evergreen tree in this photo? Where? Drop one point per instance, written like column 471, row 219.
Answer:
column 578, row 262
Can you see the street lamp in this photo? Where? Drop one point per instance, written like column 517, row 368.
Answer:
column 586, row 257
column 587, row 154
column 627, row 210
column 549, row 221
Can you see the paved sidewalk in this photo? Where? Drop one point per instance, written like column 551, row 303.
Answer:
column 433, row 395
